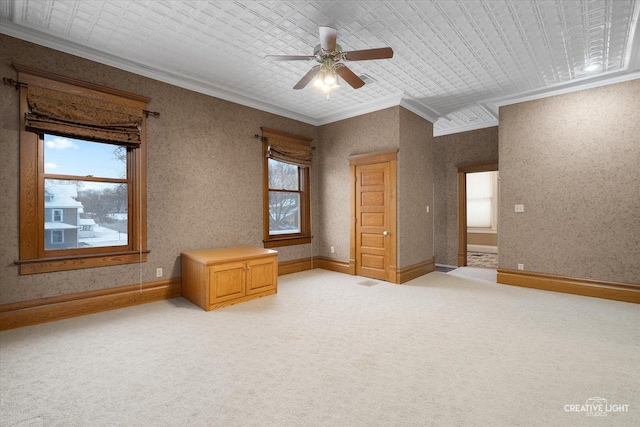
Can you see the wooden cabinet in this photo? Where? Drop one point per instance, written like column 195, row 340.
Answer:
column 219, row 277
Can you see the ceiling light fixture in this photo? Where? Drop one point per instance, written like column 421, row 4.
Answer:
column 327, row 79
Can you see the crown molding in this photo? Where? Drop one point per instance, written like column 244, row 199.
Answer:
column 420, row 109
column 466, row 128
column 575, row 86
column 381, row 104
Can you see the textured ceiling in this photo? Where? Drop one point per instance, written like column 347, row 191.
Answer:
column 455, row 62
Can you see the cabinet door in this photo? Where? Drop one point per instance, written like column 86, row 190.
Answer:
column 262, row 275
column 226, row 282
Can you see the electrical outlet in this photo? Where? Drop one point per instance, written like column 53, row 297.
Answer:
column 427, row 208
column 519, row 208
column 520, row 266
column 333, row 250
column 158, row 272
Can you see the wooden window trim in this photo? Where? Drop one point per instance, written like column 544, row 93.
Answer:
column 33, row 258
column 304, row 237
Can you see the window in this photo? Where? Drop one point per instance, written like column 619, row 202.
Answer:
column 284, row 197
column 56, row 214
column 57, row 236
column 83, row 153
column 89, row 180
column 482, row 201
column 286, row 189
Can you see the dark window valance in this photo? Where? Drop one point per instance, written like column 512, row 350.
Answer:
column 62, row 113
column 288, row 148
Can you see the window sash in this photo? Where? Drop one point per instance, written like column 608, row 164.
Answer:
column 123, row 238
column 281, row 215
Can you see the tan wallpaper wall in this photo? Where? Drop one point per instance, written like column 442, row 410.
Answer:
column 477, row 146
column 415, row 190
column 572, row 160
column 368, row 133
column 391, row 128
column 204, row 179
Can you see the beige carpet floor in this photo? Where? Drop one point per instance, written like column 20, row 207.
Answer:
column 441, row 350
column 480, row 273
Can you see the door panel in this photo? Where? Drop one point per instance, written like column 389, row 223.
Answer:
column 373, row 177
column 372, row 220
column 261, row 276
column 373, row 198
column 373, row 261
column 373, row 240
column 226, row 282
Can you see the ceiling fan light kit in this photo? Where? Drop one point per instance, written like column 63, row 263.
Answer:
column 330, row 56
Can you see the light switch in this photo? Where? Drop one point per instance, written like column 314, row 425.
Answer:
column 519, row 208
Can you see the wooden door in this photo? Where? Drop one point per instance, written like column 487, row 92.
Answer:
column 373, row 227
column 372, row 220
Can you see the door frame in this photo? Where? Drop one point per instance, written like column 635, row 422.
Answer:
column 463, row 170
column 391, row 157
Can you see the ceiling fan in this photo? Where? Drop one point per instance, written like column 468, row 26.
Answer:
column 330, row 56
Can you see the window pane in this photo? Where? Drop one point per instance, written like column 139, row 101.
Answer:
column 284, row 213
column 67, row 156
column 283, row 176
column 479, row 213
column 81, row 214
column 479, row 185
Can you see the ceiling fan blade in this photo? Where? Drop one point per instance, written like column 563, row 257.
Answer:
column 328, row 37
column 289, row 58
column 308, row 77
column 349, row 77
column 363, row 55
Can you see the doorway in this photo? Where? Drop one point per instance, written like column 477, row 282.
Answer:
column 373, row 229
column 481, row 237
column 482, row 219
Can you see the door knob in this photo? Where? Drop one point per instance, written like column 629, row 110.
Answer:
column 385, row 233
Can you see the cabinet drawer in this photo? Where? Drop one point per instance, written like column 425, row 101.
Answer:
column 261, row 276
column 226, row 282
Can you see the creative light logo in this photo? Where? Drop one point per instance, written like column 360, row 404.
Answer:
column 596, row 407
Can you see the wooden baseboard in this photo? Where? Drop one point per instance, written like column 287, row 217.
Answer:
column 333, row 265
column 43, row 310
column 294, row 266
column 303, row 264
column 416, row 270
column 571, row 285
